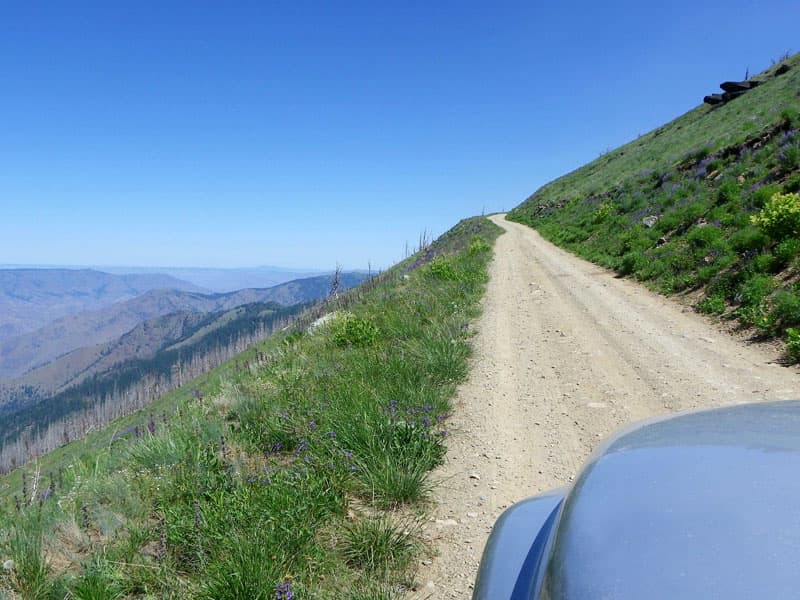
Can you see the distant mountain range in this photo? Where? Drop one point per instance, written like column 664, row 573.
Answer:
column 87, row 329
column 30, row 298
column 227, row 280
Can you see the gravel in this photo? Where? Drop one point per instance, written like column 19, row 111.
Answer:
column 566, row 353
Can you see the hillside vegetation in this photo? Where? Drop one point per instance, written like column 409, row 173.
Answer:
column 705, row 206
column 298, row 469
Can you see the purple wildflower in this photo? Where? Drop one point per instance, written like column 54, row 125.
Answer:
column 283, row 591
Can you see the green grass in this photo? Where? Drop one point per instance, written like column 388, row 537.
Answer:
column 705, row 206
column 301, row 466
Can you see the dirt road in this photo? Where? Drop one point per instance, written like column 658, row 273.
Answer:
column 565, row 354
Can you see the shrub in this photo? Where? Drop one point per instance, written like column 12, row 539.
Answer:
column 790, row 118
column 762, row 195
column 793, row 344
column 478, row 245
column 787, row 251
column 790, row 158
column 792, row 184
column 754, row 291
column 785, row 311
column 748, row 239
column 728, row 192
column 780, row 217
column 765, row 263
column 350, row 330
column 712, row 305
column 631, row 262
column 605, row 210
column 442, row 268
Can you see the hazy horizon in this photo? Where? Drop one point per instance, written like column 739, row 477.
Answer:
column 316, row 133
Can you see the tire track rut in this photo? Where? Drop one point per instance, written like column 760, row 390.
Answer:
column 565, row 354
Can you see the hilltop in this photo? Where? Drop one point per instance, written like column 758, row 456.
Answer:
column 704, row 206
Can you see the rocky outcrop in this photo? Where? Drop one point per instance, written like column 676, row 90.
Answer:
column 650, row 221
column 738, row 86
column 731, row 90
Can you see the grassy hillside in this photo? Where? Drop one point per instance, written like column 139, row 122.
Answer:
column 300, row 467
column 706, row 206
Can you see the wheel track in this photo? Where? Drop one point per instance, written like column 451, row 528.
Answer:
column 565, row 354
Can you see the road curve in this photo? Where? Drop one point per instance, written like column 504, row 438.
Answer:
column 565, row 354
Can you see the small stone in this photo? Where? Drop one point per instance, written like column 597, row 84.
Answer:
column 8, row 565
column 446, row 522
column 474, row 476
column 472, row 515
column 427, row 563
column 650, row 220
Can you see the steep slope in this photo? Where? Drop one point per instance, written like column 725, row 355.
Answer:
column 90, row 328
column 114, row 379
column 298, row 468
column 704, row 130
column 706, row 206
column 29, row 298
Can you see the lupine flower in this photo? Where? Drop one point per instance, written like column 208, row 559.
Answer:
column 283, row 591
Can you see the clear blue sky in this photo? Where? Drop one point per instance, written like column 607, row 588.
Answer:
column 303, row 134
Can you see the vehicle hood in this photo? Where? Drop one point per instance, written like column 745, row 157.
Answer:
column 703, row 505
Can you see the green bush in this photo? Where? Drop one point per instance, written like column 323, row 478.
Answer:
column 712, row 305
column 792, row 184
column 790, row 118
column 793, row 344
column 790, row 158
column 350, row 330
column 785, row 311
column 442, row 268
column 728, row 192
column 605, row 210
column 787, row 251
column 755, row 290
column 780, row 216
column 478, row 245
column 747, row 239
column 763, row 195
column 765, row 263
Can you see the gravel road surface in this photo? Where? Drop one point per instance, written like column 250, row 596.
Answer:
column 565, row 354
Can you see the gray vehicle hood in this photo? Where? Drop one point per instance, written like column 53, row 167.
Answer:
column 703, row 505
